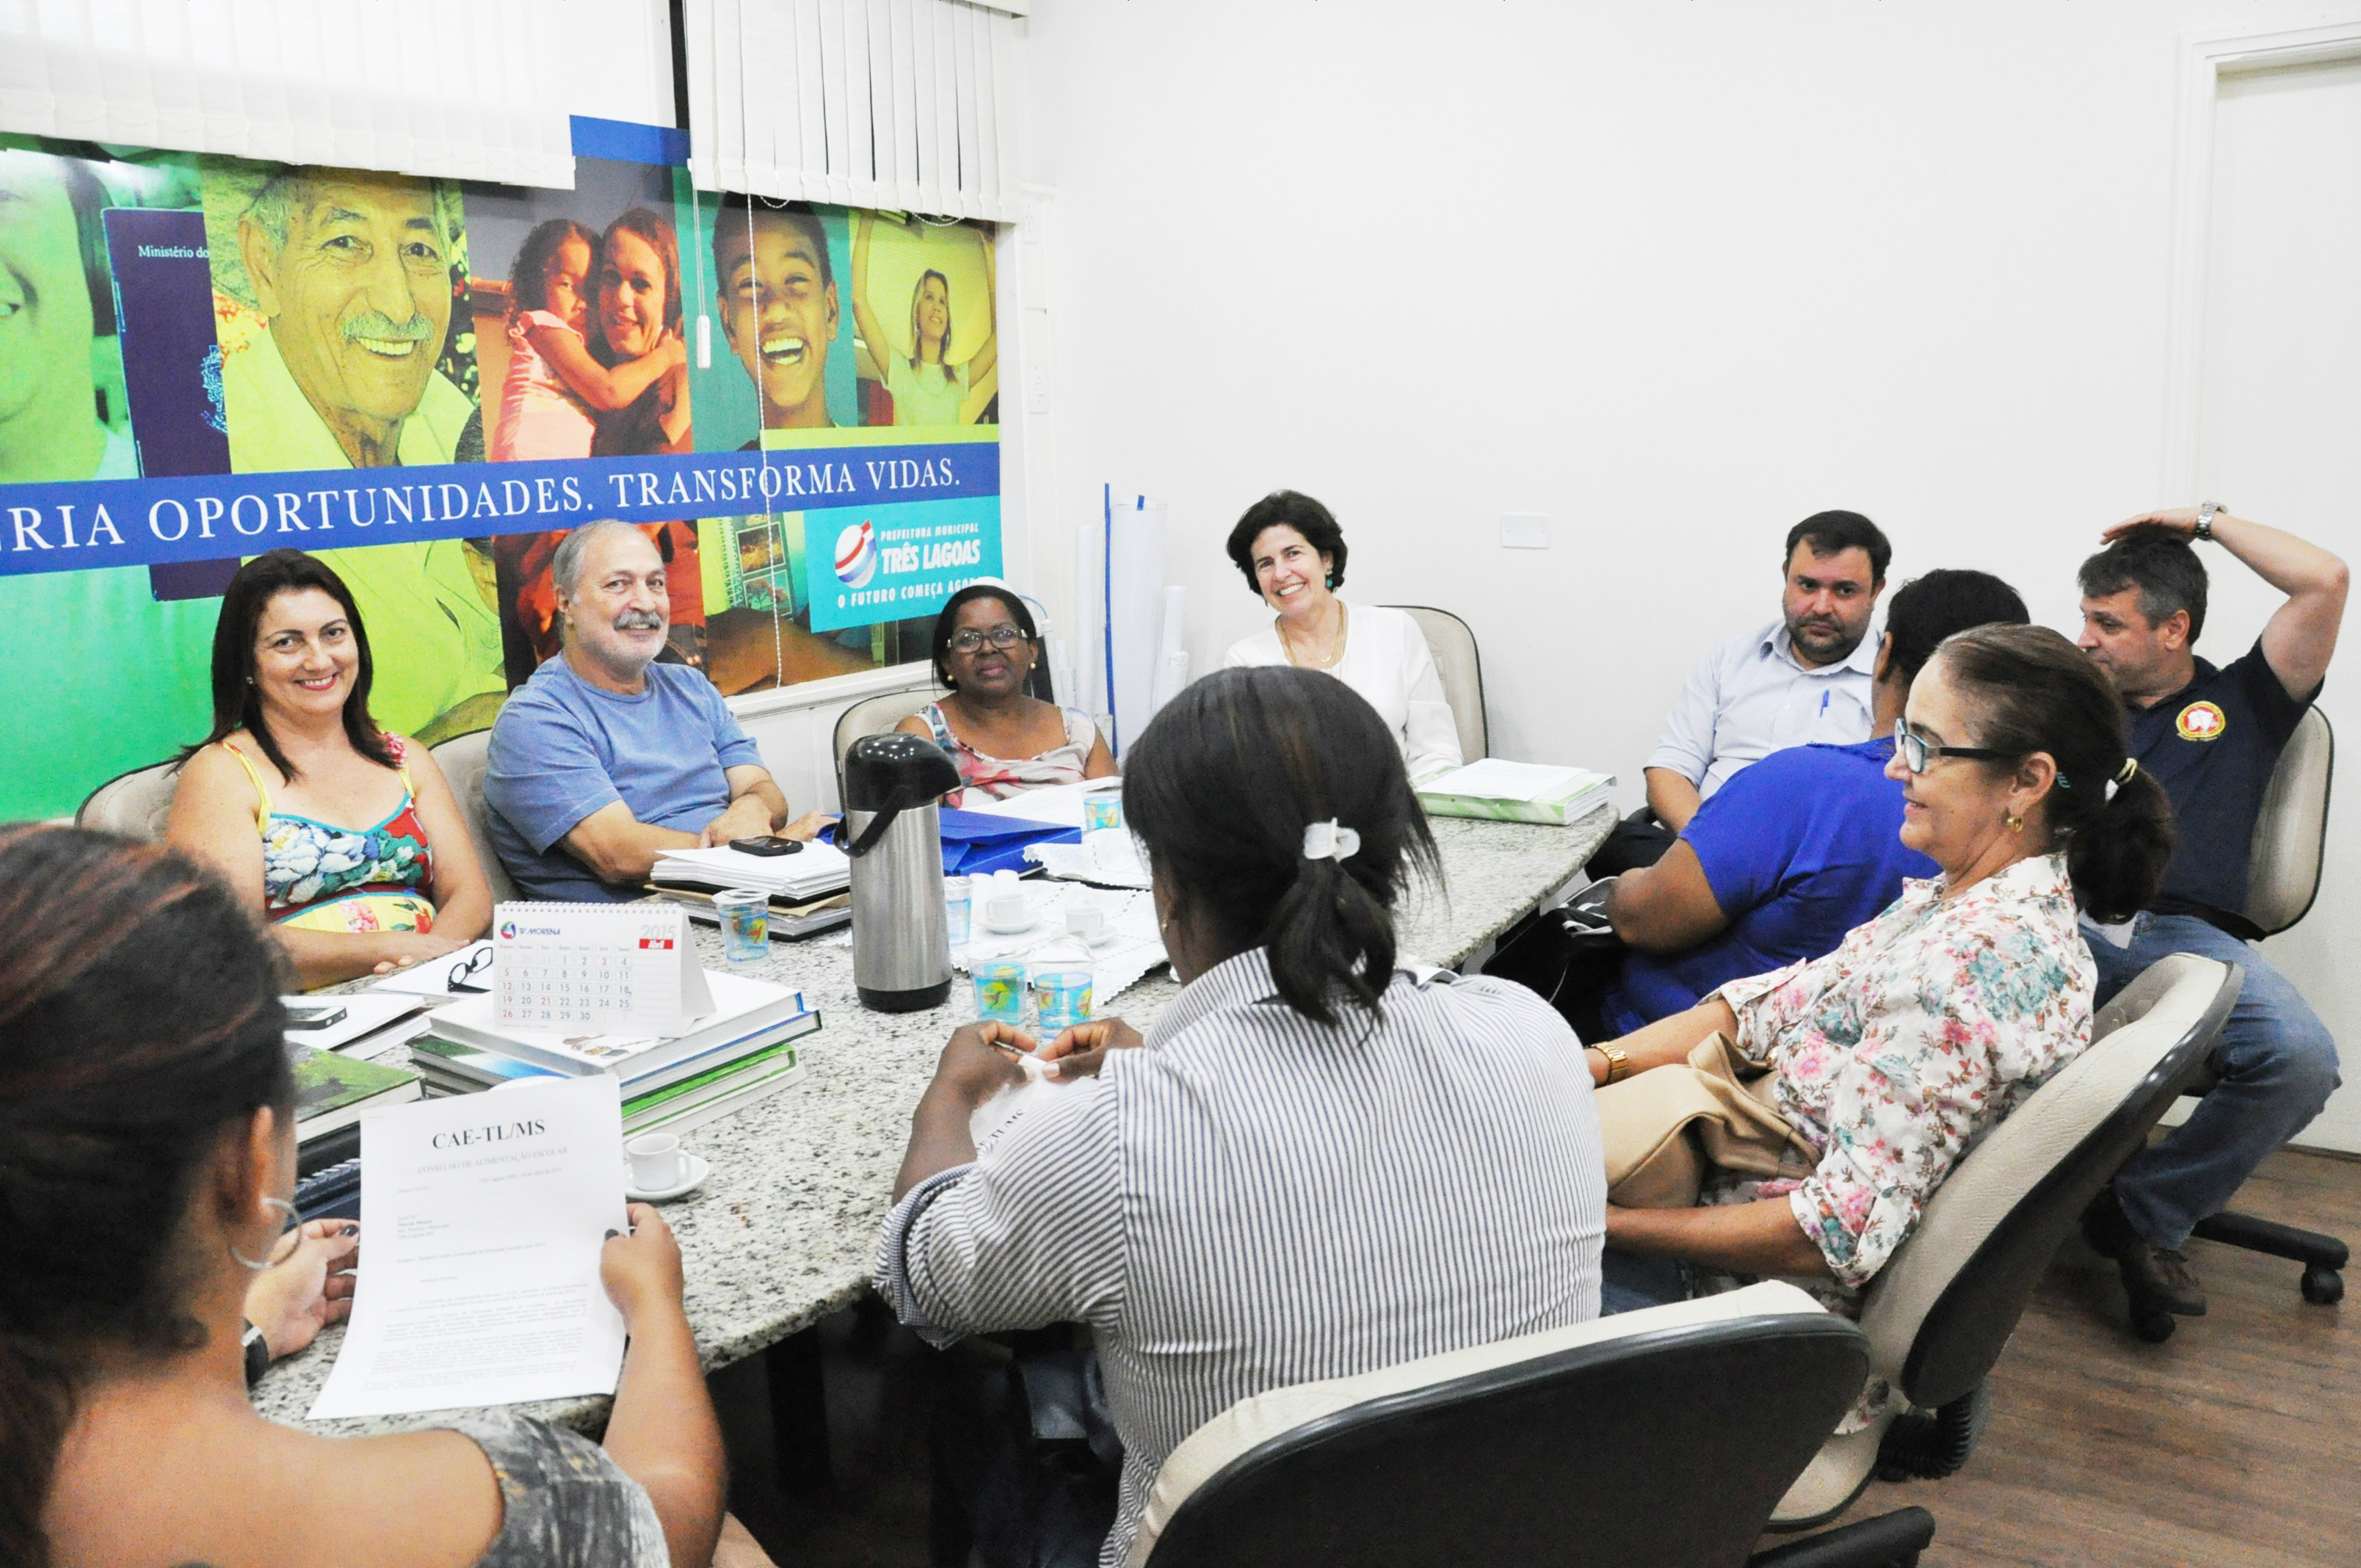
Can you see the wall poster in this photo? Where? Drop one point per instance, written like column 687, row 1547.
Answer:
column 426, row 384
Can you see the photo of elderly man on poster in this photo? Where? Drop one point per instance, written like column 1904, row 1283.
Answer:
column 351, row 277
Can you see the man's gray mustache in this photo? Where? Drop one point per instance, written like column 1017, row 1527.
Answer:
column 639, row 620
column 383, row 327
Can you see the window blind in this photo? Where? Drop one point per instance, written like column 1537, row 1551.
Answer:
column 458, row 89
column 904, row 104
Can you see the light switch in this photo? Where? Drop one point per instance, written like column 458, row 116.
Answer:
column 1524, row 530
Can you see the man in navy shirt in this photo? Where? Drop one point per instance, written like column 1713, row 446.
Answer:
column 2212, row 737
column 1796, row 851
column 606, row 759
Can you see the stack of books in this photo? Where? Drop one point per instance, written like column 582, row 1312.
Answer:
column 1515, row 791
column 806, row 889
column 744, row 1050
column 331, row 1092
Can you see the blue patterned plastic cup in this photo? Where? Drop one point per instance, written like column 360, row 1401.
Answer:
column 745, row 924
column 1102, row 811
column 1061, row 999
column 1000, row 993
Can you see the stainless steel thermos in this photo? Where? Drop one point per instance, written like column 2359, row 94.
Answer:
column 901, row 945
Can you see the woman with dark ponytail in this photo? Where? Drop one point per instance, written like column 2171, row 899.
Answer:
column 1885, row 1060
column 1322, row 1160
column 146, row 1153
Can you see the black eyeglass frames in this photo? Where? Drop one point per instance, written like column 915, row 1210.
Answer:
column 1001, row 637
column 1916, row 752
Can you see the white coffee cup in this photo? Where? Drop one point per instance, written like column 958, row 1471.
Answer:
column 656, row 1161
column 1005, row 911
column 1085, row 922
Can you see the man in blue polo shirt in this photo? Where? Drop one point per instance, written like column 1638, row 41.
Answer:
column 2212, row 737
column 606, row 759
column 1796, row 851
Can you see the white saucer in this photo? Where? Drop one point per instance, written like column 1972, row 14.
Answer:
column 697, row 1171
column 1032, row 922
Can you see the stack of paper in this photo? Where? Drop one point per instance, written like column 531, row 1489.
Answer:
column 1515, row 791
column 486, row 1221
column 812, row 871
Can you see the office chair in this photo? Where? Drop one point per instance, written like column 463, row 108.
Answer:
column 1453, row 643
column 133, row 804
column 1942, row 1310
column 875, row 716
column 463, row 760
column 2282, row 881
column 1656, row 1439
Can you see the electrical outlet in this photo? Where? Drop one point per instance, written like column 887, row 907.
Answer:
column 1524, row 530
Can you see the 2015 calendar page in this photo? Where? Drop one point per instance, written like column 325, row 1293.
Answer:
column 615, row 969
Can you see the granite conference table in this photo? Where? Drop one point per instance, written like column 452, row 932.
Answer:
column 784, row 1231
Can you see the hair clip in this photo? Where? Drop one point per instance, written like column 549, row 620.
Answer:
column 2130, row 770
column 1326, row 841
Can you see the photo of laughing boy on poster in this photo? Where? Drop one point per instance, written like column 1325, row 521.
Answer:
column 783, row 381
column 336, row 296
column 103, row 641
column 579, row 326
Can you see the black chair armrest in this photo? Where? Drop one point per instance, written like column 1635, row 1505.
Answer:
column 1889, row 1540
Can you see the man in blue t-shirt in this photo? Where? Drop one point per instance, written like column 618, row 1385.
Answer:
column 606, row 759
column 2212, row 737
column 1797, row 849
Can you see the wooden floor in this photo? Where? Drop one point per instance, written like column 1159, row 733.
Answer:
column 2237, row 1442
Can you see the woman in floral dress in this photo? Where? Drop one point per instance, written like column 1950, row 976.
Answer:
column 1891, row 1056
column 345, row 837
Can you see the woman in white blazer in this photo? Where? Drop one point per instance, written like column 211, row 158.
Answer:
column 1292, row 554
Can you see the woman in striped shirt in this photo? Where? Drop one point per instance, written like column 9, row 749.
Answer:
column 1320, row 1162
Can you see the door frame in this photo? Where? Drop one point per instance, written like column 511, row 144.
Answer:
column 2205, row 59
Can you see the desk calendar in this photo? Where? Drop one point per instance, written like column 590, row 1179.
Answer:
column 615, row 969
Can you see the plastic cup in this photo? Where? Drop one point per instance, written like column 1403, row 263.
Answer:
column 1061, row 999
column 959, row 909
column 745, row 924
column 1000, row 993
column 1102, row 811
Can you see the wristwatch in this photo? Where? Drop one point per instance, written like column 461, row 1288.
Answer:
column 2205, row 529
column 257, row 1354
column 1619, row 1066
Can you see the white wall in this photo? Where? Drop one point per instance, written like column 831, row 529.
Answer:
column 1674, row 275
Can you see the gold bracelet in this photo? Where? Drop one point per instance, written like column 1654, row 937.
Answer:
column 1619, row 1066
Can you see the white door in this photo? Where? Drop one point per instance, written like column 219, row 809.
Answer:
column 2280, row 443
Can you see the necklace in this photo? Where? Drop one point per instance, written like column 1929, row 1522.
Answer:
column 1333, row 657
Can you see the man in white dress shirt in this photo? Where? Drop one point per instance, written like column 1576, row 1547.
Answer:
column 1803, row 679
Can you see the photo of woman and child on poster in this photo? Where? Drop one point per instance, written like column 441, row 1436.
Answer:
column 170, row 314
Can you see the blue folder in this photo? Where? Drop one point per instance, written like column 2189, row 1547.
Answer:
column 975, row 842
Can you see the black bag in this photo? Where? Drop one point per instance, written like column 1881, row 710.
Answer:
column 1568, row 957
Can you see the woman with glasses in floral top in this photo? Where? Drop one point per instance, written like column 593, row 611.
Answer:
column 1892, row 1055
column 1003, row 740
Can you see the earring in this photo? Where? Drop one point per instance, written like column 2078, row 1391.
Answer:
column 268, row 1204
column 2015, row 823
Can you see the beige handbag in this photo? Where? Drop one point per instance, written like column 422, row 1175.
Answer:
column 1664, row 1127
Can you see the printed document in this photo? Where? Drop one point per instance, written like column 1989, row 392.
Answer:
column 484, row 1216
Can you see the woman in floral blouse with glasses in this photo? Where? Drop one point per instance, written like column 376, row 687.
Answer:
column 1936, row 1019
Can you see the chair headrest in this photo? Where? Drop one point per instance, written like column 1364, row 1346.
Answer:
column 1492, row 1452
